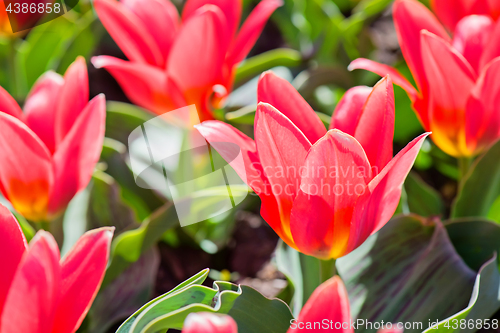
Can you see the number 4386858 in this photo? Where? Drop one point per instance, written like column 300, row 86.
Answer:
column 33, row 8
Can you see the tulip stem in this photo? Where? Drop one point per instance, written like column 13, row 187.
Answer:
column 327, row 269
column 464, row 164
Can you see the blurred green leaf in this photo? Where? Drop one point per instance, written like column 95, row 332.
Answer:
column 245, row 115
column 242, row 303
column 371, row 7
column 123, row 118
column 422, row 199
column 494, row 213
column 480, row 187
column 408, row 272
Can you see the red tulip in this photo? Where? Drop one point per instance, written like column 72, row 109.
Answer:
column 39, row 293
column 206, row 322
column 458, row 93
column 328, row 310
column 49, row 151
column 322, row 192
column 450, row 12
column 174, row 63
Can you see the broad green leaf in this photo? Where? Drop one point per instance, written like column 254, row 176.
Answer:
column 123, row 118
column 251, row 311
column 494, row 213
column 371, row 7
column 476, row 240
column 407, row 272
column 484, row 302
column 245, row 115
column 422, row 199
column 481, row 186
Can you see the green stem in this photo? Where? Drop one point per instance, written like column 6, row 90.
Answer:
column 327, row 269
column 464, row 164
column 11, row 68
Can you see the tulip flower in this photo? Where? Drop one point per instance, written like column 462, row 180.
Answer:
column 206, row 322
column 328, row 310
column 173, row 62
column 322, row 192
column 458, row 92
column 40, row 293
column 49, row 151
column 22, row 20
column 450, row 12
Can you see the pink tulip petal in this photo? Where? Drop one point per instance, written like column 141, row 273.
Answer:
column 231, row 10
column 144, row 85
column 9, row 105
column 380, row 199
column 450, row 79
column 78, row 153
column 216, row 133
column 328, row 302
column 205, row 322
column 72, row 99
column 197, row 55
column 129, row 32
column 375, row 128
column 40, row 107
column 348, row 111
column 160, row 18
column 335, row 173
column 13, row 246
column 32, row 300
column 282, row 95
column 25, row 171
column 492, row 48
column 384, row 70
column 472, row 36
column 251, row 30
column 82, row 272
column 482, row 118
column 450, row 12
column 410, row 17
column 282, row 148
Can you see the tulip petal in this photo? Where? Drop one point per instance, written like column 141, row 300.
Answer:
column 197, row 55
column 251, row 30
column 336, row 171
column 25, row 171
column 144, row 85
column 375, row 128
column 380, row 199
column 384, row 70
column 231, row 10
column 450, row 12
column 9, row 105
column 160, row 18
column 451, row 80
column 34, row 293
column 72, row 99
column 216, row 132
column 282, row 148
column 40, row 107
column 348, row 111
column 77, row 155
column 12, row 247
column 282, row 95
column 472, row 35
column 492, row 48
column 482, row 118
column 328, row 302
column 129, row 32
column 410, row 17
column 82, row 272
column 206, row 322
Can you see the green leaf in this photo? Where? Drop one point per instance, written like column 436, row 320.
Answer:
column 408, row 272
column 422, row 199
column 476, row 240
column 371, row 7
column 245, row 115
column 267, row 60
column 481, row 186
column 123, row 118
column 484, row 302
column 251, row 311
column 494, row 213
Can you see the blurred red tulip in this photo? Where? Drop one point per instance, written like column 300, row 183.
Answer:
column 322, row 192
column 328, row 310
column 450, row 12
column 173, row 63
column 48, row 153
column 458, row 90
column 39, row 292
column 205, row 322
